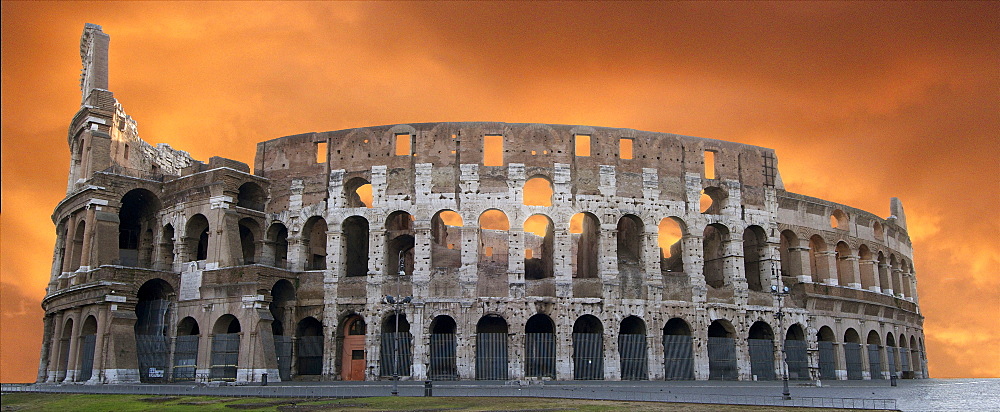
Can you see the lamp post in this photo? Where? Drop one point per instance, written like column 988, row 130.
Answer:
column 397, row 303
column 780, row 294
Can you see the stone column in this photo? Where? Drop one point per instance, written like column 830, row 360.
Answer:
column 72, row 368
column 887, row 287
column 694, row 266
column 827, row 260
column 733, row 268
column 563, row 254
column 100, row 348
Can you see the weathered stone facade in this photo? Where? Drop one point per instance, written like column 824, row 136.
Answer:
column 529, row 250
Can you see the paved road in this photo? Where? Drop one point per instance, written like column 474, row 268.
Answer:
column 911, row 395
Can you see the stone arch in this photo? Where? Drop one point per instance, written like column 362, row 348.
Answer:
column 166, row 253
column 537, row 191
column 845, row 266
column 226, row 335
column 790, row 256
column 827, row 353
column 281, row 306
column 712, row 200
column 354, row 246
column 399, row 242
column 877, row 231
column 87, row 349
column 869, row 278
column 853, row 355
column 839, row 220
column 540, row 347
column 631, row 270
column 493, row 256
column 818, row 262
column 443, row 349
column 894, row 274
column 314, row 243
column 251, row 196
column 186, row 350
column 874, row 355
column 64, row 346
column 670, row 231
column 309, row 346
column 797, row 352
column 632, row 349
column 446, row 239
column 678, row 353
column 196, row 235
column 585, row 230
column 353, row 354
column 78, row 259
column 714, row 241
column 754, row 253
column 137, row 216
column 883, row 274
column 397, row 346
column 277, row 245
column 760, row 340
column 249, row 237
column 915, row 363
column 588, row 348
column 491, row 348
column 538, row 247
column 358, row 193
column 722, row 351
column 152, row 311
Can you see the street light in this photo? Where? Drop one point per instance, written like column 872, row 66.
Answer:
column 397, row 303
column 780, row 295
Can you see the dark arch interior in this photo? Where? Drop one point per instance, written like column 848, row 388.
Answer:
column 718, row 330
column 389, row 324
column 443, row 324
column 491, row 324
column 588, row 324
column 761, row 330
column 632, row 325
column 676, row 326
column 539, row 323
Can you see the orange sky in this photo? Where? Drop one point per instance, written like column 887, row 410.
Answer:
column 861, row 101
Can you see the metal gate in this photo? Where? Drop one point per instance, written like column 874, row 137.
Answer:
column 152, row 351
column 443, row 351
column 541, row 355
column 632, row 349
column 185, row 358
column 874, row 361
column 827, row 361
column 890, row 353
column 225, row 356
column 797, row 358
column 491, row 356
column 722, row 359
column 762, row 358
column 588, row 356
column 87, row 363
column 394, row 360
column 64, row 355
column 283, row 351
column 904, row 357
column 852, row 357
column 309, row 350
column 678, row 357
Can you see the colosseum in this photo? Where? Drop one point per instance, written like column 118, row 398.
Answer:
column 461, row 251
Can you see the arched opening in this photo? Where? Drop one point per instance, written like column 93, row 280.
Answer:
column 904, row 279
column 791, row 257
column 225, row 348
column 277, row 236
column 827, row 353
column 891, row 354
column 678, row 353
column 136, row 216
column 355, row 246
column 249, row 233
column 669, row 234
column 352, row 356
column 186, row 350
column 874, row 355
column 845, row 266
column 446, row 240
column 838, row 219
column 588, row 348
column 491, row 348
column 64, row 348
column 540, row 347
column 167, row 248
column 314, row 240
column 714, row 241
column 631, row 272
column 309, row 346
column 883, row 275
column 903, row 354
column 632, row 349
column 722, row 351
column 761, row 344
column 196, row 237
column 397, row 346
column 88, row 346
column 865, row 261
column 585, row 230
column 358, row 193
column 895, row 271
column 754, row 249
column 493, row 254
column 796, row 353
column 282, row 308
column 711, row 200
column 251, row 196
column 399, row 242
column 444, row 349
column 538, row 245
column 852, row 355
column 917, row 366
column 152, row 311
column 878, row 232
column 78, row 258
column 538, row 191
column 818, row 262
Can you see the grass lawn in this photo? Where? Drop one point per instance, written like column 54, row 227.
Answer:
column 76, row 402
